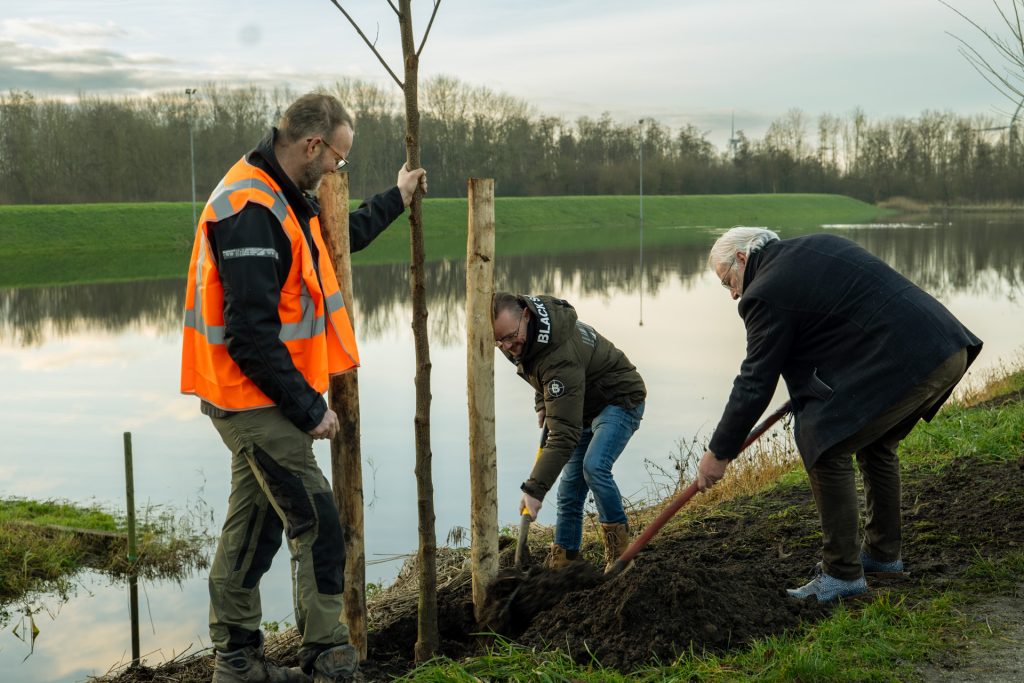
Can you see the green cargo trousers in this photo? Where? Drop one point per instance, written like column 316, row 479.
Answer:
column 276, row 486
column 834, row 485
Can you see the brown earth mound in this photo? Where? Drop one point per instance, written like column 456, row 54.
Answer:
column 720, row 582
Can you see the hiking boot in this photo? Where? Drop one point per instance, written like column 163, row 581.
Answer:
column 248, row 665
column 558, row 557
column 336, row 665
column 873, row 566
column 616, row 540
column 827, row 588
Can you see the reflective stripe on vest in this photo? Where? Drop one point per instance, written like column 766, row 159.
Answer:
column 311, row 324
column 315, row 327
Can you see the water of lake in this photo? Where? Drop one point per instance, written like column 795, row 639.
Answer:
column 83, row 364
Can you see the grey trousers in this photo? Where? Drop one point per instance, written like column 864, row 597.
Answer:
column 276, row 486
column 833, row 482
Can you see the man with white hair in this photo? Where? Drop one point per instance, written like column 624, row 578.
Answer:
column 865, row 354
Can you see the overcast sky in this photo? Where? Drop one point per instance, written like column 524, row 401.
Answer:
column 680, row 61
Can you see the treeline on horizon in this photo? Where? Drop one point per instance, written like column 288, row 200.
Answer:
column 107, row 149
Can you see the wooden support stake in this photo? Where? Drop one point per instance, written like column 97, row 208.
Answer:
column 343, row 396
column 133, row 577
column 483, row 466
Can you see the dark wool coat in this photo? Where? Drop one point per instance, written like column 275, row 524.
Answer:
column 848, row 334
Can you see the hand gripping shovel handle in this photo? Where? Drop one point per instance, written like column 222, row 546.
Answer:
column 684, row 497
column 524, row 521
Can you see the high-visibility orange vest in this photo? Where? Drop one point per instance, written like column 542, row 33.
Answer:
column 314, row 324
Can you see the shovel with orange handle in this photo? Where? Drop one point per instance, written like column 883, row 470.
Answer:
column 684, row 497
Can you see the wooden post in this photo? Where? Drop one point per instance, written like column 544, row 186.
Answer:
column 346, row 463
column 133, row 578
column 483, row 466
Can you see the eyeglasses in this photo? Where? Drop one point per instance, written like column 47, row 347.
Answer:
column 511, row 336
column 342, row 161
column 726, row 282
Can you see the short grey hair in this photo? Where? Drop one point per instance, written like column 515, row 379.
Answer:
column 505, row 301
column 739, row 239
column 314, row 114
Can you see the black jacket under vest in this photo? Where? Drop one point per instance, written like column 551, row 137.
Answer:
column 252, row 286
column 848, row 334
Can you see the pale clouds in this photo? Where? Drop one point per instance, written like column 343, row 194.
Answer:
column 74, row 32
column 680, row 61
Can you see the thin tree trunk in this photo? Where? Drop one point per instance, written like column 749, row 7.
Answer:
column 346, row 464
column 427, row 639
column 483, row 465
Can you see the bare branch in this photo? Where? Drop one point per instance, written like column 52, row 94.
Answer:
column 437, row 3
column 987, row 71
column 1005, row 81
column 395, row 8
column 366, row 40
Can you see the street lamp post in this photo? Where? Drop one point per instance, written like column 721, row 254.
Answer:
column 1014, row 136
column 641, row 222
column 192, row 152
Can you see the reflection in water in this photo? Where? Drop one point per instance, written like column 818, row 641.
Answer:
column 972, row 255
column 34, row 315
column 976, row 257
column 85, row 632
column 103, row 359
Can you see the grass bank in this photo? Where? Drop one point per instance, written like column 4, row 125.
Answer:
column 53, row 244
column 910, row 206
column 43, row 543
column 906, row 630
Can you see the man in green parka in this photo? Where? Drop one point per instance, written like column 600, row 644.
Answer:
column 592, row 400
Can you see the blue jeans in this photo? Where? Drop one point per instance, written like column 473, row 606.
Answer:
column 590, row 467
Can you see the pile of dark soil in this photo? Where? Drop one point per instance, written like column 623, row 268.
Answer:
column 720, row 581
column 716, row 585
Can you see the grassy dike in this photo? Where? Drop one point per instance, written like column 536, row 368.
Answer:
column 78, row 243
column 903, row 631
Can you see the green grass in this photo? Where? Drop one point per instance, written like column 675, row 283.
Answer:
column 995, row 434
column 34, row 555
column 51, row 244
column 56, row 513
column 878, row 642
column 1003, row 573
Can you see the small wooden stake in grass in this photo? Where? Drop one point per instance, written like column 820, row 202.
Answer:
column 346, row 466
column 133, row 578
column 483, row 467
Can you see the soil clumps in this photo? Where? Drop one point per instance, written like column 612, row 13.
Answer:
column 717, row 582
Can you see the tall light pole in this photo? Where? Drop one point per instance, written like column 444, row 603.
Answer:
column 641, row 222
column 1014, row 136
column 192, row 152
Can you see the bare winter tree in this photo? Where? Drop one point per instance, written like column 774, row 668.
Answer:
column 1005, row 68
column 427, row 638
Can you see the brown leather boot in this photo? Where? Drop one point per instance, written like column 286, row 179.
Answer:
column 558, row 557
column 616, row 540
